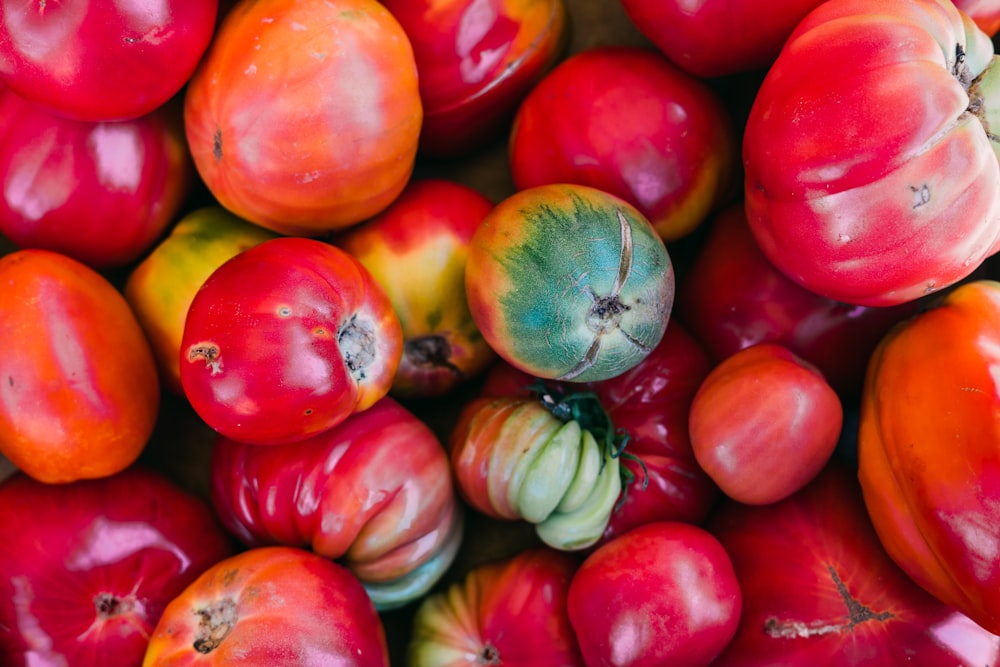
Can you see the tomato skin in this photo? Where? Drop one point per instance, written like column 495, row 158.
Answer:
column 569, row 282
column 79, row 395
column 416, row 249
column 374, row 492
column 73, row 57
column 863, row 206
column 287, row 339
column 274, row 605
column 673, row 155
column 927, row 448
column 985, row 13
column 310, row 71
column 511, row 611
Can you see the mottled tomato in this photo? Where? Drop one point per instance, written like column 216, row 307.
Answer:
column 270, row 606
column 86, row 568
column 305, row 116
column 162, row 286
column 929, row 449
column 627, row 121
column 505, row 612
column 476, row 60
column 285, row 340
column 416, row 249
column 101, row 61
column 662, row 594
column 79, row 391
column 855, row 202
column 818, row 589
column 374, row 491
column 569, row 282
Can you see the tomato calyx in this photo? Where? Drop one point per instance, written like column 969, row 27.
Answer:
column 214, row 625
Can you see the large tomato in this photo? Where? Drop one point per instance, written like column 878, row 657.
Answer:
column 853, row 200
column 929, row 448
column 305, row 116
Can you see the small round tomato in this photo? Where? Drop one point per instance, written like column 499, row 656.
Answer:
column 79, row 391
column 569, row 282
column 286, row 340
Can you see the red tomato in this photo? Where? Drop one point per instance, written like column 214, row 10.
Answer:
column 855, row 202
column 818, row 589
column 102, row 61
column 79, row 391
column 662, row 594
column 287, row 339
column 304, row 117
column 626, row 121
column 507, row 612
column 763, row 423
column 374, row 491
column 986, row 13
column 88, row 567
column 270, row 606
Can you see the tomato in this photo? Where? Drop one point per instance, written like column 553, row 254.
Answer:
column 569, row 282
column 505, row 612
column 305, row 116
column 928, row 448
column 763, row 423
column 100, row 61
column 662, row 594
column 374, row 491
column 270, row 606
column 86, row 568
column 416, row 249
column 985, row 13
column 861, row 205
column 79, row 391
column 625, row 120
column 476, row 60
column 287, row 339
column 161, row 287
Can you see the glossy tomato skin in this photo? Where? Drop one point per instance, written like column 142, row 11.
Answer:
column 476, row 61
column 88, row 567
column 270, row 606
column 374, row 492
column 569, row 282
column 625, row 120
column 285, row 340
column 864, row 206
column 927, row 448
column 417, row 249
column 336, row 113
column 819, row 590
column 663, row 593
column 510, row 611
column 80, row 393
column 99, row 61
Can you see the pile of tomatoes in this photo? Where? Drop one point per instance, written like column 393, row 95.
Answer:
column 493, row 332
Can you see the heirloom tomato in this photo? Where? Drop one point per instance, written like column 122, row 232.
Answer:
column 819, row 589
column 476, row 60
column 161, row 287
column 86, row 568
column 374, row 491
column 855, row 202
column 985, row 13
column 303, row 116
column 270, row 606
column 416, row 249
column 505, row 612
column 79, row 391
column 285, row 340
column 569, row 282
column 662, row 594
column 627, row 121
column 929, row 448
column 763, row 423
column 99, row 192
